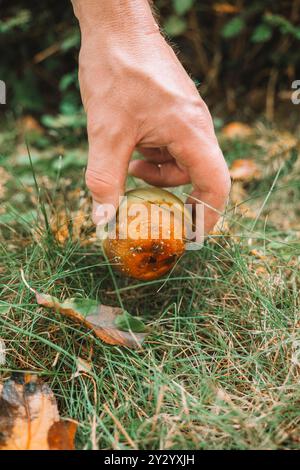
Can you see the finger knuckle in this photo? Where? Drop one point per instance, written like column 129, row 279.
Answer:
column 100, row 182
column 198, row 108
column 195, row 118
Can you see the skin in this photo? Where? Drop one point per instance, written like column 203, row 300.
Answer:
column 137, row 95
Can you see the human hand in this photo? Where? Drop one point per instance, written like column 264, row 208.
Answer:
column 137, row 95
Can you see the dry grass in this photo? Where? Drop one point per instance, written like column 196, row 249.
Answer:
column 221, row 368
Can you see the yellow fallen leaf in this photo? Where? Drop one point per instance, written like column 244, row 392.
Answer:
column 224, row 8
column 4, row 177
column 244, row 170
column 30, row 124
column 65, row 226
column 82, row 366
column 236, row 130
column 60, row 227
column 221, row 228
column 258, row 254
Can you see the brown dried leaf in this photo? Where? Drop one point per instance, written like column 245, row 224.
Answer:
column 30, row 124
column 99, row 318
column 258, row 254
column 238, row 193
column 224, row 8
column 82, row 366
column 60, row 227
column 65, row 226
column 275, row 144
column 4, row 177
column 236, row 130
column 29, row 418
column 61, row 435
column 244, row 170
column 221, row 228
column 239, row 199
column 78, row 222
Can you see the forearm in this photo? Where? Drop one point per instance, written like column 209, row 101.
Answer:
column 114, row 16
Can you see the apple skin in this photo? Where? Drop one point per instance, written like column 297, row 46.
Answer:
column 146, row 258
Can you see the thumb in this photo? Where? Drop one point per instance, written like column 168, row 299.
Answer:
column 106, row 176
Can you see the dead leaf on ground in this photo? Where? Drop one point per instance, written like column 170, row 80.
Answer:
column 238, row 193
column 65, row 226
column 30, row 124
column 60, row 227
column 99, row 318
column 276, row 144
column 29, row 418
column 78, row 221
column 111, row 324
column 244, row 170
column 71, row 225
column 4, row 177
column 226, row 8
column 236, row 130
column 239, row 199
column 259, row 254
column 220, row 231
column 82, row 367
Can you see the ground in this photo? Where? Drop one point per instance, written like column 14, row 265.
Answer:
column 221, row 367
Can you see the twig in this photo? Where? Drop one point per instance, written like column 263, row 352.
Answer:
column 120, row 427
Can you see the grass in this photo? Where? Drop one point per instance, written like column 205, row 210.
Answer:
column 221, row 367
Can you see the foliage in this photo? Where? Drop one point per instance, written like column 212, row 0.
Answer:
column 225, row 45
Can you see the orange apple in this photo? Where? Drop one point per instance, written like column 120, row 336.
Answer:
column 150, row 233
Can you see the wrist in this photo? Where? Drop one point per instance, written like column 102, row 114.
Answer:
column 114, row 17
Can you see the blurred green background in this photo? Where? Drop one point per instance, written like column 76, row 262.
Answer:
column 243, row 54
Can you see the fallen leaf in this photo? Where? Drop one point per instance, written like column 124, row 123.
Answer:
column 60, row 227
column 274, row 144
column 260, row 270
column 78, row 221
column 30, row 124
column 236, row 130
column 258, row 254
column 238, row 193
column 29, row 418
column 61, row 435
column 224, row 8
column 4, row 177
column 127, row 322
column 244, row 170
column 99, row 318
column 65, row 226
column 82, row 366
column 240, row 200
column 221, row 228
